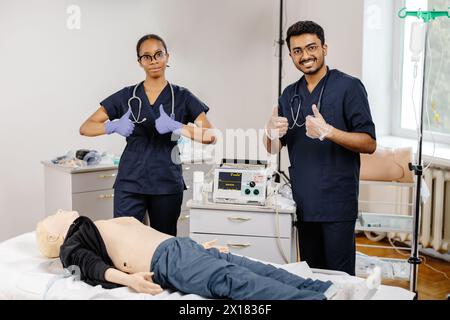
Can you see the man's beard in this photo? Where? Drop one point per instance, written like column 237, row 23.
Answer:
column 314, row 71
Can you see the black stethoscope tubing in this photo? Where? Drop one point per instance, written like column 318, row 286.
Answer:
column 297, row 96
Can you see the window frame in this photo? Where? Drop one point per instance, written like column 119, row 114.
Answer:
column 397, row 90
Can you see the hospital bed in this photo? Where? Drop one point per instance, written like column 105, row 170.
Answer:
column 26, row 274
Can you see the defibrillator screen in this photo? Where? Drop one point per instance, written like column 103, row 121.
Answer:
column 230, row 180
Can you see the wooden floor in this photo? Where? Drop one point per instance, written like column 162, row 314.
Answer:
column 431, row 285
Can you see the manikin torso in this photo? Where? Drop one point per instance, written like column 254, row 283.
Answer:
column 130, row 244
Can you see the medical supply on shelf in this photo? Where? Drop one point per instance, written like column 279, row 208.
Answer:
column 198, row 185
column 84, row 158
column 385, row 221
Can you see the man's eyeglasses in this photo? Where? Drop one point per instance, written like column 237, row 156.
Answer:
column 310, row 49
column 147, row 58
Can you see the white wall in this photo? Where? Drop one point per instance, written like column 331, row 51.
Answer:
column 52, row 78
column 342, row 22
column 378, row 74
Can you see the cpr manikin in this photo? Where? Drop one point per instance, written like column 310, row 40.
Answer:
column 125, row 252
column 387, row 164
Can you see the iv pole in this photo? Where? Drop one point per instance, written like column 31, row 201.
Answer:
column 280, row 43
column 414, row 259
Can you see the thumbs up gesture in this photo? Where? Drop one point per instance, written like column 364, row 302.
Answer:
column 316, row 126
column 123, row 126
column 277, row 126
column 165, row 124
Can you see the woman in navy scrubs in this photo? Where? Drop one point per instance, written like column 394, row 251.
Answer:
column 324, row 120
column 150, row 175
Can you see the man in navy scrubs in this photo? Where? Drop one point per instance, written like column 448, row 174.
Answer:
column 324, row 120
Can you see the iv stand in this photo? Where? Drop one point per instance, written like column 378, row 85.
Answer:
column 280, row 43
column 414, row 259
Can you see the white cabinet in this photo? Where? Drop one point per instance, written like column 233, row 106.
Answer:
column 86, row 190
column 256, row 232
column 263, row 248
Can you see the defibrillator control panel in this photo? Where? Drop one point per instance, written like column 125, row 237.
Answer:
column 240, row 186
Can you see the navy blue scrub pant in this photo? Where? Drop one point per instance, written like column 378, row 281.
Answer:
column 328, row 245
column 184, row 265
column 163, row 210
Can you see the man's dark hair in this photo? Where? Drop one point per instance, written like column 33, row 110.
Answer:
column 147, row 37
column 302, row 27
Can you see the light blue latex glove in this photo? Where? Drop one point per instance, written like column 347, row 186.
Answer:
column 165, row 124
column 123, row 126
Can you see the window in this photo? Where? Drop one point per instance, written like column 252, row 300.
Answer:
column 437, row 81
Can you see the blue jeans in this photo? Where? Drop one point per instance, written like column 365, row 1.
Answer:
column 184, row 265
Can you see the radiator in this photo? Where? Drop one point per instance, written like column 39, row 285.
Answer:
column 435, row 226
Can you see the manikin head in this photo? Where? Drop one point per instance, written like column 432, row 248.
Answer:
column 51, row 232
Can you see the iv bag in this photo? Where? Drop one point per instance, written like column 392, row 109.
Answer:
column 417, row 41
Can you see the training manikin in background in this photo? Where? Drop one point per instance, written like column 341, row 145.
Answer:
column 387, row 164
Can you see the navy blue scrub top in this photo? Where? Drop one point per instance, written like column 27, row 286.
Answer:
column 146, row 166
column 324, row 175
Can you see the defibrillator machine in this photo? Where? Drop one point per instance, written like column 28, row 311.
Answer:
column 240, row 183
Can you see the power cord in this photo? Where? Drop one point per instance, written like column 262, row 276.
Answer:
column 297, row 245
column 277, row 223
column 421, row 257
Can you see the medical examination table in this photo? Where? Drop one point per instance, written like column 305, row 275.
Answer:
column 26, row 274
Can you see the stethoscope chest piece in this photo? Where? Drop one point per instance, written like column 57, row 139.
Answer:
column 135, row 97
column 139, row 101
column 299, row 106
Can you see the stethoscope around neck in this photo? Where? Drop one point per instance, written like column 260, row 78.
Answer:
column 136, row 120
column 297, row 96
